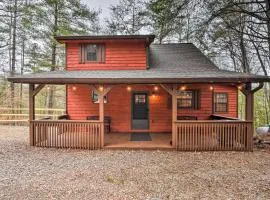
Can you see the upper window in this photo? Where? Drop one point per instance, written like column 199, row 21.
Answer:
column 220, row 102
column 188, row 99
column 92, row 53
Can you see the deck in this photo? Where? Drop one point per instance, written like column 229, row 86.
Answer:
column 122, row 141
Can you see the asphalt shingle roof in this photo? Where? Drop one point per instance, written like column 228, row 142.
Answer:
column 169, row 63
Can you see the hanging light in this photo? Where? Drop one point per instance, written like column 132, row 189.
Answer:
column 156, row 88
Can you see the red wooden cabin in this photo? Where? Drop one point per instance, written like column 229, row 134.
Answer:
column 170, row 95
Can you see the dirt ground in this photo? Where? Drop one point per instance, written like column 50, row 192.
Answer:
column 38, row 173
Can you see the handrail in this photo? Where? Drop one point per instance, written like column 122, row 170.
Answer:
column 66, row 121
column 212, row 121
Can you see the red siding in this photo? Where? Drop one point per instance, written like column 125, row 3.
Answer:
column 119, row 55
column 79, row 105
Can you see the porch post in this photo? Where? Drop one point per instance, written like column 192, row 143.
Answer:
column 173, row 92
column 101, row 118
column 249, row 103
column 174, row 116
column 31, row 113
column 101, row 94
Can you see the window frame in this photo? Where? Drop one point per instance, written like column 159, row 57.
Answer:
column 216, row 103
column 96, row 101
column 195, row 100
column 101, row 53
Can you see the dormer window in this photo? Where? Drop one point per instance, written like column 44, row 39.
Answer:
column 93, row 53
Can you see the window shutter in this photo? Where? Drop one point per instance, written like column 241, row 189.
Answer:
column 81, row 54
column 197, row 99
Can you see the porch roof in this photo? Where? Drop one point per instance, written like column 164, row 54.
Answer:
column 137, row 76
column 168, row 63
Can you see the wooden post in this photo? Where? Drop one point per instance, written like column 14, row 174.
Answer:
column 33, row 91
column 174, row 116
column 31, row 113
column 101, row 117
column 173, row 93
column 249, row 103
column 101, row 95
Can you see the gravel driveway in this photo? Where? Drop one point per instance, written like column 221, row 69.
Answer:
column 38, row 173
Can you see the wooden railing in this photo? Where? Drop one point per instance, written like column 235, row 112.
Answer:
column 67, row 134
column 214, row 135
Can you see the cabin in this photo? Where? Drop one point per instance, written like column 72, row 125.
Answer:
column 124, row 91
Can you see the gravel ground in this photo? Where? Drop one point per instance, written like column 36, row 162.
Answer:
column 38, row 173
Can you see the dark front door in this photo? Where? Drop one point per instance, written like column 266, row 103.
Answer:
column 140, row 110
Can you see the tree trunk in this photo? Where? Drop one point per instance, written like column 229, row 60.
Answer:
column 53, row 66
column 13, row 50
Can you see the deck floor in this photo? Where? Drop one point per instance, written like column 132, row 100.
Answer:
column 122, row 140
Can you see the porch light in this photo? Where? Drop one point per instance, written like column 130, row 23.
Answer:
column 211, row 88
column 74, row 88
column 156, row 88
column 183, row 87
column 129, row 88
column 101, row 88
column 240, row 87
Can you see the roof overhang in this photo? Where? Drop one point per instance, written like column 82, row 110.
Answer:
column 63, row 39
column 133, row 77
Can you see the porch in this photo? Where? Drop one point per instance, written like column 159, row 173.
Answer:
column 203, row 134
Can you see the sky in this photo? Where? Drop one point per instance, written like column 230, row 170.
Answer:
column 101, row 4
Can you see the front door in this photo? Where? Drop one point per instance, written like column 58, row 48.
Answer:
column 140, row 110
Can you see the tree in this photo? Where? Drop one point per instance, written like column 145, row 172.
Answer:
column 165, row 16
column 50, row 18
column 127, row 17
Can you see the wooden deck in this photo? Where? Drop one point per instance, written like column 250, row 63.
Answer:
column 122, row 141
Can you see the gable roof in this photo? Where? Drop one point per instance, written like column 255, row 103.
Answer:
column 169, row 63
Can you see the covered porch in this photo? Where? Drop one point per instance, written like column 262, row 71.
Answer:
column 214, row 134
column 200, row 134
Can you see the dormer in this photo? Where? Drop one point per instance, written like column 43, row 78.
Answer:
column 107, row 52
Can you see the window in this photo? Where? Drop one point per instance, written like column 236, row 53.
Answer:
column 188, row 99
column 220, row 102
column 140, row 99
column 95, row 97
column 92, row 53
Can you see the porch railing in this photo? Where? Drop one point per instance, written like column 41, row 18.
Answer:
column 67, row 134
column 213, row 135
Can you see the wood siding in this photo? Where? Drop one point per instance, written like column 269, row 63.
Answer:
column 80, row 105
column 119, row 55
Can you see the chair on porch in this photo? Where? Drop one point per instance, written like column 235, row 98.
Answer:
column 107, row 122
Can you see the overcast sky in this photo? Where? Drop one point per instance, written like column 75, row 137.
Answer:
column 101, row 4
